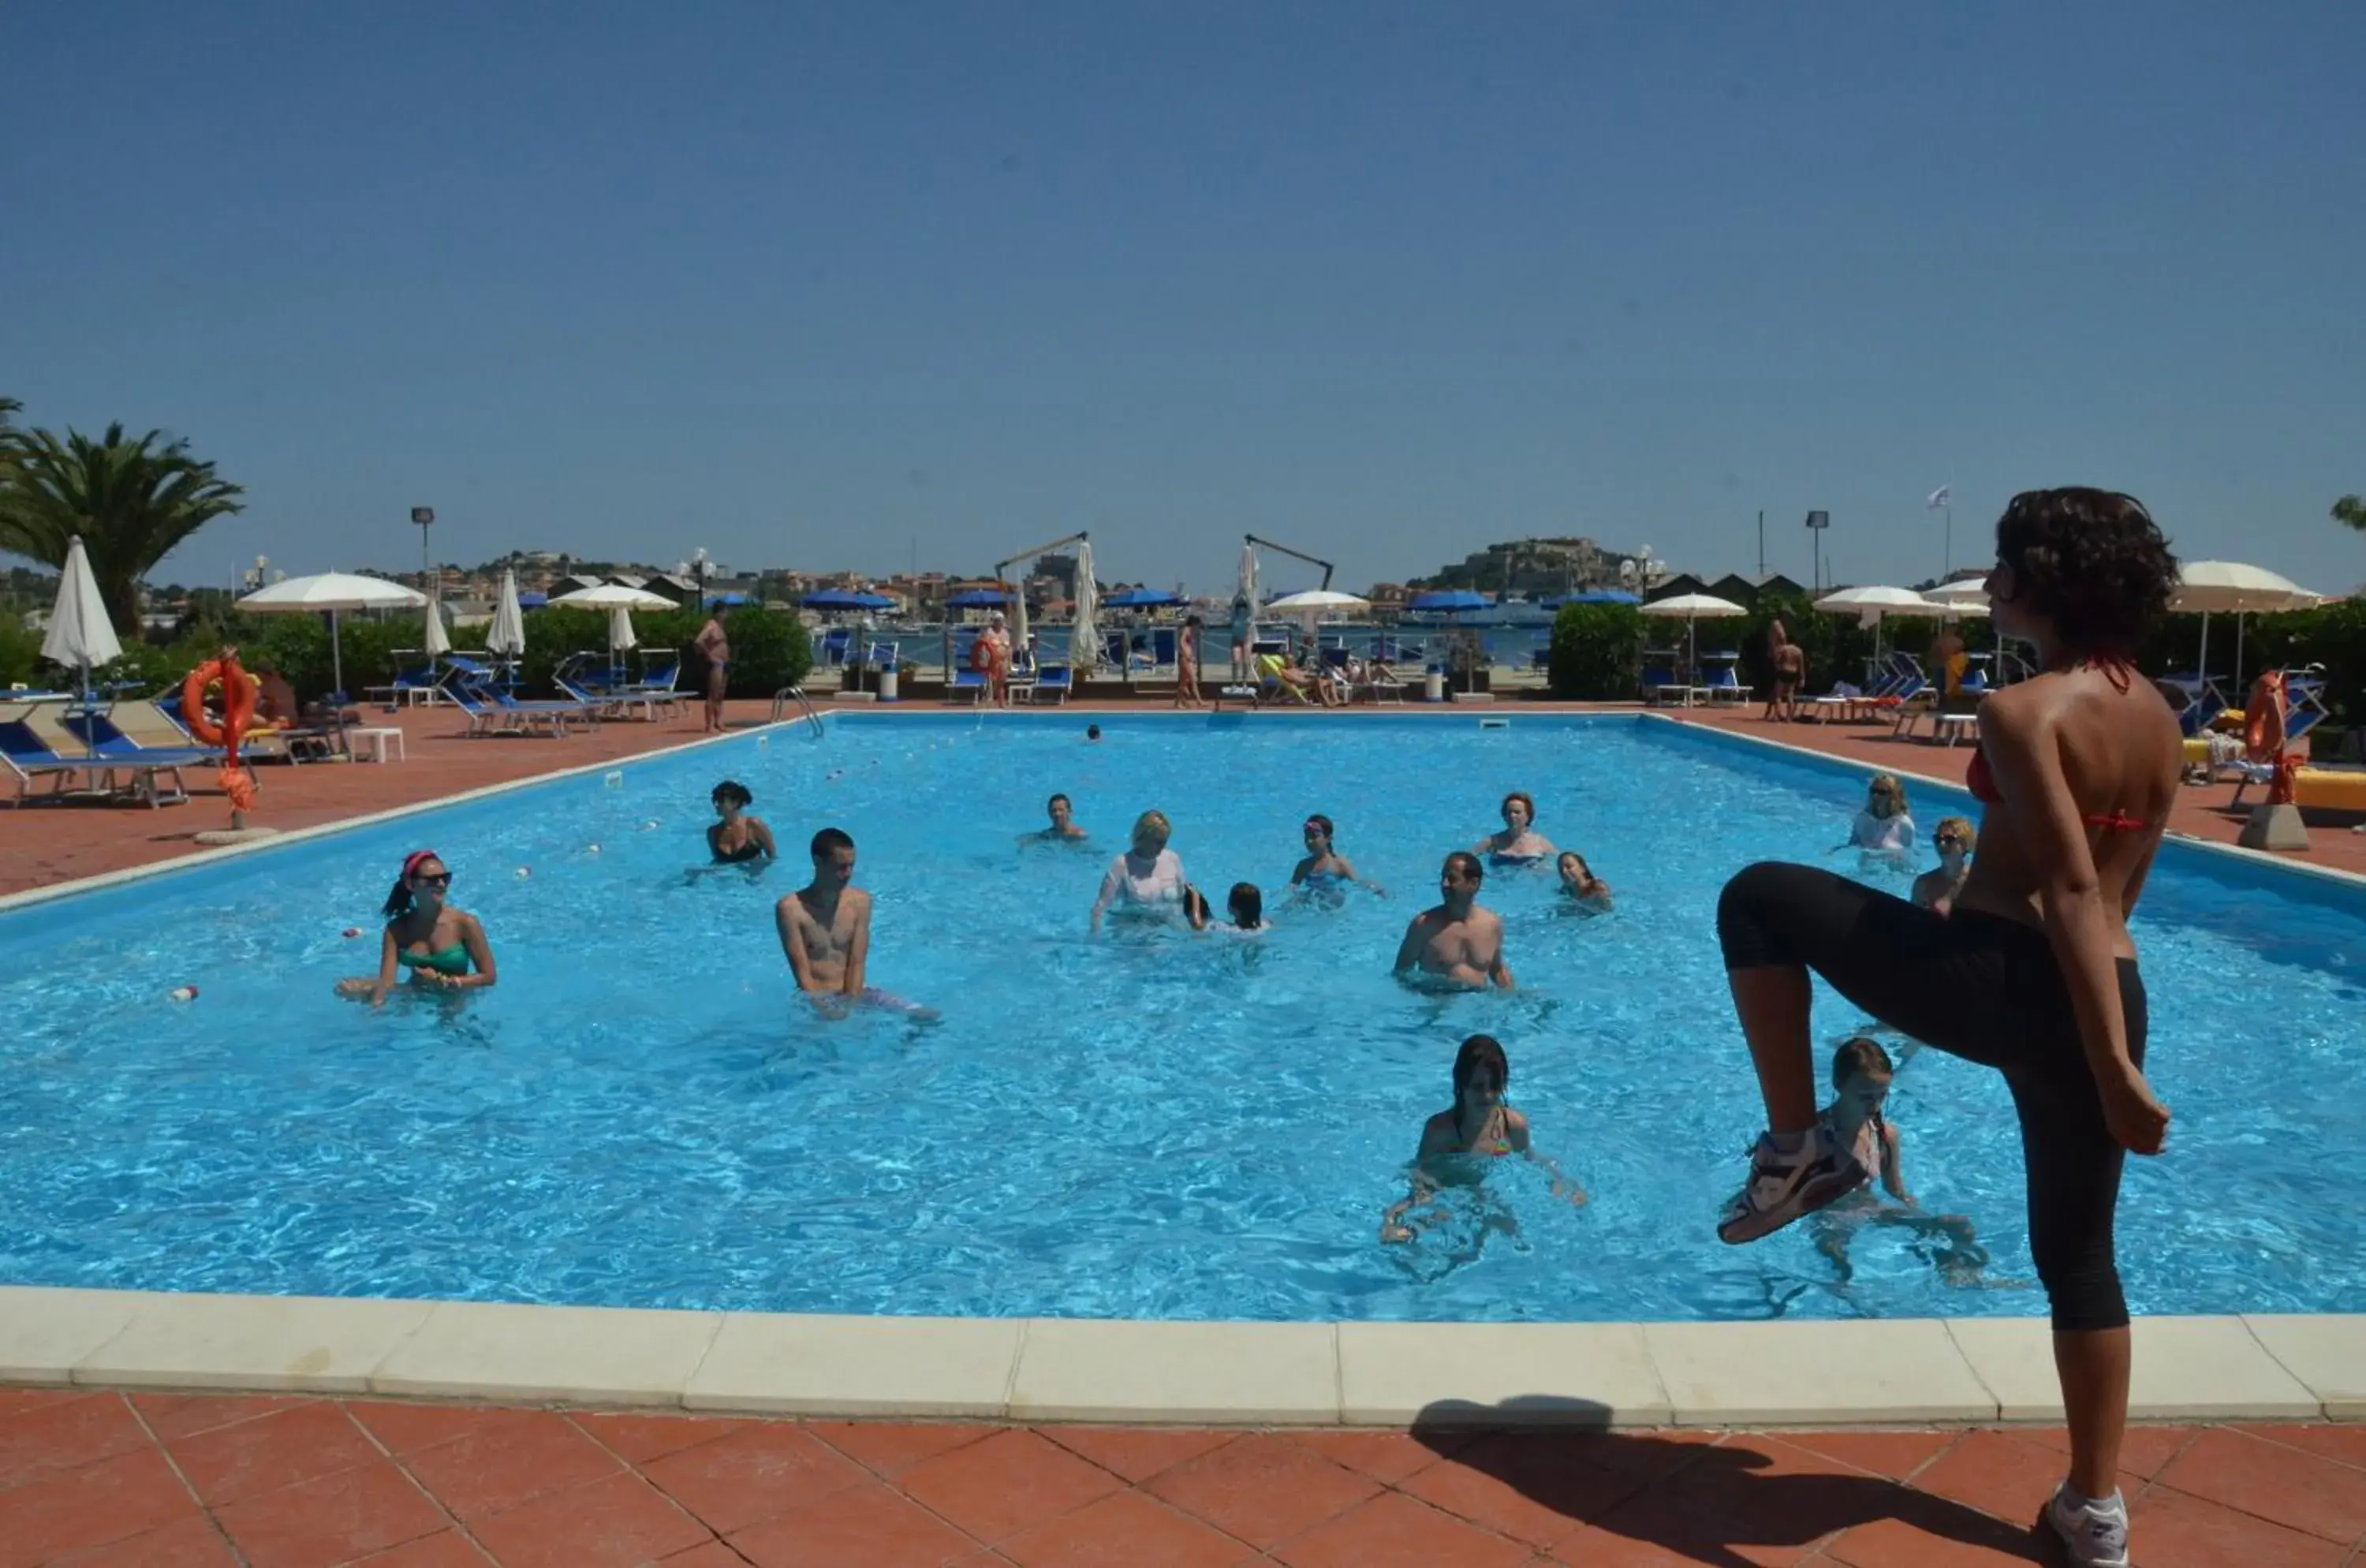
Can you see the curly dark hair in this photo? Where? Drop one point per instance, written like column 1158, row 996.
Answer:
column 2092, row 561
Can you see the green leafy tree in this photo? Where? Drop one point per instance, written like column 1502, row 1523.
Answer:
column 2351, row 508
column 131, row 501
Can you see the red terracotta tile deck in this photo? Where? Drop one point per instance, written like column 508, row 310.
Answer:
column 95, row 1477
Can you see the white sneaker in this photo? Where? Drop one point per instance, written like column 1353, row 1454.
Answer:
column 1786, row 1187
column 2094, row 1533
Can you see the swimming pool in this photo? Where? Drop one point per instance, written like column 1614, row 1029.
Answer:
column 1142, row 1126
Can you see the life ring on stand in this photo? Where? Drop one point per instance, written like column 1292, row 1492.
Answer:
column 240, row 690
column 2264, row 722
column 982, row 656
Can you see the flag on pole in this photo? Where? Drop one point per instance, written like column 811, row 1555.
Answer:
column 1939, row 498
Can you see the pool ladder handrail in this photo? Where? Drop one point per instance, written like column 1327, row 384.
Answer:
column 781, row 700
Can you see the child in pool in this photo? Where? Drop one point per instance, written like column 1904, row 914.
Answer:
column 1246, row 905
column 1456, row 1142
column 1325, row 870
column 1861, row 1075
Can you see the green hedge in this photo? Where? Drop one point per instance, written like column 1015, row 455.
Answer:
column 1597, row 652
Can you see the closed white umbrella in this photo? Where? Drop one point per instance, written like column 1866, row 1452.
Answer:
column 1084, row 637
column 80, row 636
column 437, row 643
column 333, row 592
column 506, row 637
column 1019, row 620
column 621, row 635
column 1249, row 583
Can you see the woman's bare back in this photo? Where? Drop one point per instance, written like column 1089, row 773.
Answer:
column 2119, row 753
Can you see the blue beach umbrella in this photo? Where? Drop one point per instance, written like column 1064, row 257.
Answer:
column 1596, row 596
column 978, row 599
column 1449, row 601
column 844, row 599
column 1141, row 599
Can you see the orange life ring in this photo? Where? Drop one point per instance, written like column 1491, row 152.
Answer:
column 982, row 656
column 239, row 692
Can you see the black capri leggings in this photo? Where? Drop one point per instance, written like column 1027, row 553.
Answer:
column 1984, row 988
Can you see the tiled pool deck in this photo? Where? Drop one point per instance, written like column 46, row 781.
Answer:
column 167, row 1481
column 1403, row 1443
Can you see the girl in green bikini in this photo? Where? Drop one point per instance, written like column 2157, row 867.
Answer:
column 443, row 948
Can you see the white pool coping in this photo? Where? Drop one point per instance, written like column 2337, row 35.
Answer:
column 1913, row 1371
column 1821, row 1373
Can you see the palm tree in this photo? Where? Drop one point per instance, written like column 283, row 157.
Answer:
column 2351, row 508
column 130, row 500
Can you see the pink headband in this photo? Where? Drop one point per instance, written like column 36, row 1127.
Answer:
column 411, row 862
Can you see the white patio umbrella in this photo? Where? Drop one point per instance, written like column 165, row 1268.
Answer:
column 1018, row 632
column 1248, row 578
column 621, row 635
column 610, row 595
column 506, row 638
column 2236, row 589
column 80, row 636
column 1872, row 605
column 1084, row 637
column 1315, row 603
column 334, row 592
column 1691, row 607
column 1964, row 596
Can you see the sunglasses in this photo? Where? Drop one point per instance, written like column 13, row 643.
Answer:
column 431, row 879
column 1956, row 839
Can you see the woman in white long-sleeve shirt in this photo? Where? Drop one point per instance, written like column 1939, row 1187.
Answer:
column 1147, row 878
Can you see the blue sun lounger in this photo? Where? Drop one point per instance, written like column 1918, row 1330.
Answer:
column 29, row 758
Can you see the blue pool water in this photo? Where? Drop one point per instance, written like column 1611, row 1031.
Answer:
column 639, row 1114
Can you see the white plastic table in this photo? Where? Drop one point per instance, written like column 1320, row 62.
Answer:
column 377, row 735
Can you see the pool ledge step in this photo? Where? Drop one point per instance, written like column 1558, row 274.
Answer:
column 1901, row 1371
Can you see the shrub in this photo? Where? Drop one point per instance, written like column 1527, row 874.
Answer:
column 20, row 653
column 1597, row 652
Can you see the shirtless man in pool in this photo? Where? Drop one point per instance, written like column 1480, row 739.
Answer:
column 826, row 932
column 1458, row 943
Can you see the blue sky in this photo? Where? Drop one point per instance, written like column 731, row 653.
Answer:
column 848, row 287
